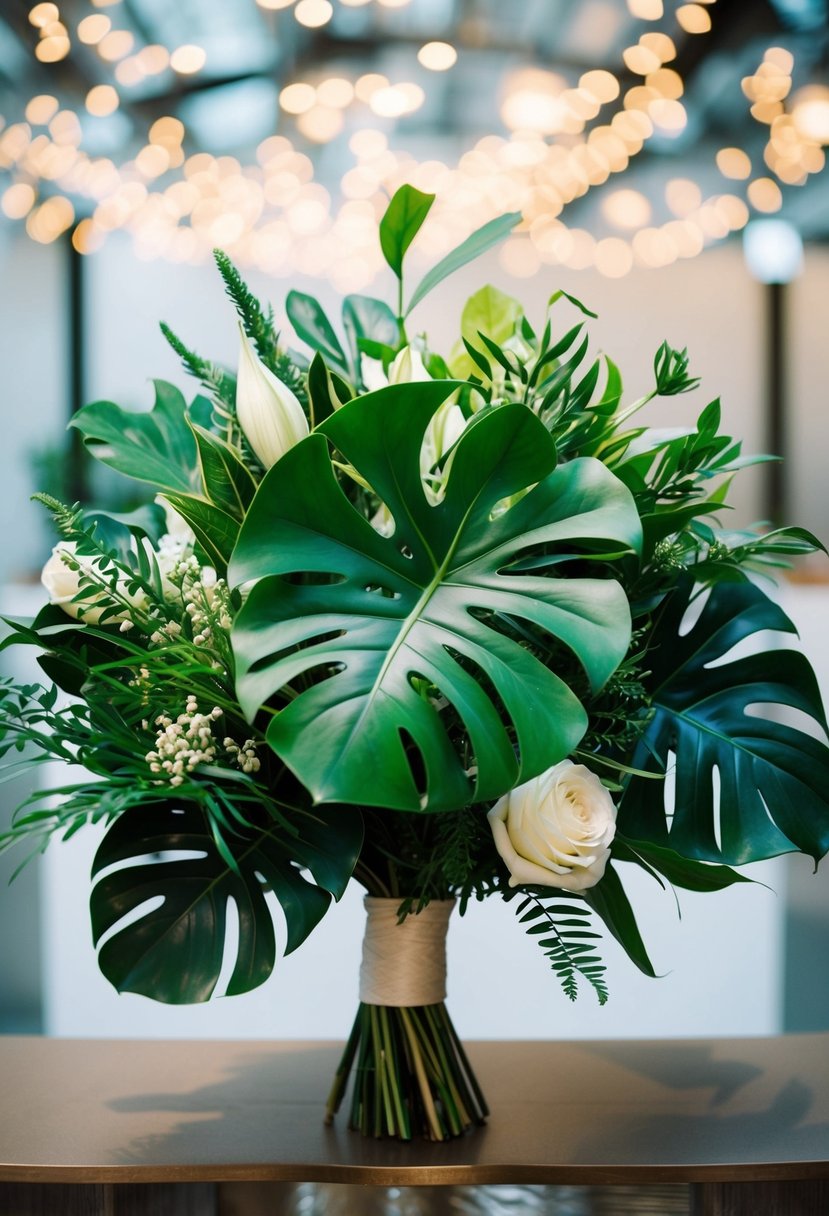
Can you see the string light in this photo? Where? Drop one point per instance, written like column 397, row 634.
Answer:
column 274, row 215
column 437, row 56
column 188, row 59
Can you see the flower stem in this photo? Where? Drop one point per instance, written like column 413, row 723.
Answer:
column 411, row 1076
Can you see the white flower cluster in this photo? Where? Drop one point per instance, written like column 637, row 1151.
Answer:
column 183, row 744
column 245, row 756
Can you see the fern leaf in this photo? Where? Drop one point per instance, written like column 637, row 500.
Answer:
column 564, row 934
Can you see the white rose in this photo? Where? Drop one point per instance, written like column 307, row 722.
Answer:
column 63, row 583
column 556, row 830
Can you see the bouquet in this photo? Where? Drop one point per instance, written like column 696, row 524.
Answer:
column 444, row 623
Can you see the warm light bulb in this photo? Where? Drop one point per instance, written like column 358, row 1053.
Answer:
column 314, row 13
column 92, row 29
column 437, row 56
column 188, row 59
column 102, row 100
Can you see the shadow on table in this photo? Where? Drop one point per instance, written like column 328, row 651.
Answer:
column 629, row 1113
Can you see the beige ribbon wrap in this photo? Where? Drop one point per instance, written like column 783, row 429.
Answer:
column 404, row 963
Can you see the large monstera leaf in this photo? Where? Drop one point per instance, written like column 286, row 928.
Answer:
column 773, row 777
column 389, row 618
column 173, row 951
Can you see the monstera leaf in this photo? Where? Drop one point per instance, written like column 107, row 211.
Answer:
column 389, row 620
column 173, row 951
column 773, row 777
column 156, row 446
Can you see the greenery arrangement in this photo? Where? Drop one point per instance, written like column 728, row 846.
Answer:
column 442, row 624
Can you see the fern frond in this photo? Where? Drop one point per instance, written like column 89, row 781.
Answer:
column 564, row 934
column 68, row 520
column 212, row 377
column 257, row 321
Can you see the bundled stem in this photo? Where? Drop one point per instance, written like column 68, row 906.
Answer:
column 411, row 1075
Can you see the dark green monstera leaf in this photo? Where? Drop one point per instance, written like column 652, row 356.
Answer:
column 717, row 717
column 391, row 619
column 179, row 884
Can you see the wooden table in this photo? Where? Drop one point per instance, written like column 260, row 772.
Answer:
column 169, row 1128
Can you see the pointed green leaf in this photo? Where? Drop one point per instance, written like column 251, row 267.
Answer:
column 386, row 616
column 216, row 530
column 226, row 479
column 326, row 390
column 773, row 777
column 476, row 244
column 609, row 901
column 680, row 871
column 312, row 325
column 401, row 223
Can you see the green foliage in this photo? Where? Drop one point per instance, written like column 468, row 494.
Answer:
column 670, row 368
column 491, row 233
column 772, row 776
column 381, row 609
column 156, row 447
column 312, row 325
column 401, row 223
column 171, row 854
column 563, row 933
column 256, row 321
column 218, row 382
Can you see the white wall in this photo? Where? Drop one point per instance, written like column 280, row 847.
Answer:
column 725, row 957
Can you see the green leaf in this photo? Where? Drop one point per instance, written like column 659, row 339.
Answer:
column 157, row 446
column 401, row 223
column 216, row 530
column 174, row 952
column 326, row 390
column 117, row 530
column 489, row 312
column 565, row 295
column 368, row 320
column 384, row 616
column 609, row 901
column 680, row 871
column 312, row 325
column 227, row 482
column 773, row 777
column 476, row 244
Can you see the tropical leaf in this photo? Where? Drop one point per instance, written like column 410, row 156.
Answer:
column 399, row 622
column 482, row 239
column 156, row 446
column 716, row 716
column 173, row 951
column 401, row 223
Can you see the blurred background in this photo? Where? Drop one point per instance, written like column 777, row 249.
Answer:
column 669, row 163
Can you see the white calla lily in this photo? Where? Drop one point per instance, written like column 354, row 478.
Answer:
column 408, row 367
column 269, row 413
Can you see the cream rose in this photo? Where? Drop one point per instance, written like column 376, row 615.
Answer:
column 556, row 830
column 61, row 576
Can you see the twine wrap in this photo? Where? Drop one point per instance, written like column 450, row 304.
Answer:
column 404, row 964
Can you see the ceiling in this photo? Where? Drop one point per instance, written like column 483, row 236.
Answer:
column 285, row 123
